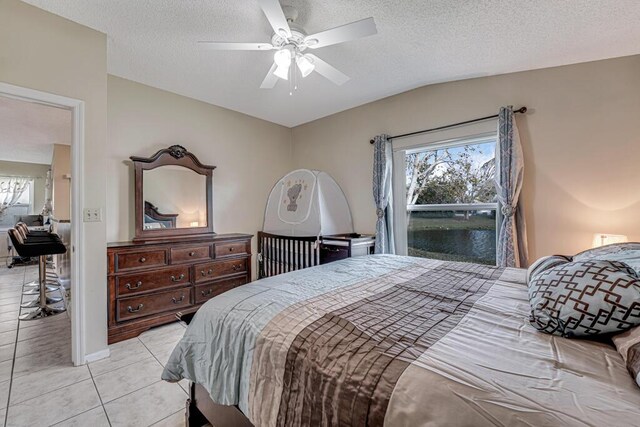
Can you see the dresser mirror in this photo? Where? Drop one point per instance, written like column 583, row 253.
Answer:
column 173, row 195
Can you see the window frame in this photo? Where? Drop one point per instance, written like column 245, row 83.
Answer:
column 402, row 209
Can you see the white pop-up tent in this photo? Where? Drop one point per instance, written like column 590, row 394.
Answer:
column 307, row 203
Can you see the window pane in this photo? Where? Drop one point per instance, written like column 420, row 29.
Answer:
column 453, row 236
column 24, row 198
column 463, row 174
column 8, row 218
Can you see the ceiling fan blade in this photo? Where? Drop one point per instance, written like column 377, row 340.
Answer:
column 235, row 46
column 344, row 33
column 270, row 79
column 273, row 11
column 328, row 71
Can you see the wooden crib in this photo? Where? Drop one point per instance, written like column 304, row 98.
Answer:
column 278, row 254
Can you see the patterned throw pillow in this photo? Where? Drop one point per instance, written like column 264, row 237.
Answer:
column 628, row 345
column 629, row 253
column 584, row 298
column 546, row 263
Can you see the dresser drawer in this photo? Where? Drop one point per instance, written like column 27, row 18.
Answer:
column 230, row 249
column 135, row 283
column 190, row 254
column 208, row 291
column 145, row 305
column 142, row 259
column 211, row 270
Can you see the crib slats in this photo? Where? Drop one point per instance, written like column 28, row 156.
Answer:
column 282, row 254
column 288, row 255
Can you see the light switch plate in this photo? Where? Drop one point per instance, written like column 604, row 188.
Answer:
column 92, row 214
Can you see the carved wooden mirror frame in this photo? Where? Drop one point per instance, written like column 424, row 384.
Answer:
column 179, row 156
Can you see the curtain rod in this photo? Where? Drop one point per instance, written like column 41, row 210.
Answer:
column 521, row 110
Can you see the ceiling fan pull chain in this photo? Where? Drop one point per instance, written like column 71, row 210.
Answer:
column 290, row 80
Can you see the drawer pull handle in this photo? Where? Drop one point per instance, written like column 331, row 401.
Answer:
column 230, row 248
column 135, row 310
column 177, row 301
column 136, row 286
column 206, row 273
column 237, row 267
column 207, row 293
column 192, row 253
column 143, row 259
column 177, row 279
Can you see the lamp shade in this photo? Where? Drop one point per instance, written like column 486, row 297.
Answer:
column 305, row 65
column 601, row 239
column 282, row 57
column 282, row 71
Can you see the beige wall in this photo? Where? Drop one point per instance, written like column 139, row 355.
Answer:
column 250, row 154
column 61, row 191
column 37, row 171
column 581, row 141
column 42, row 51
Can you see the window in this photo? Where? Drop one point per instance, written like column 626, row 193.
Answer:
column 16, row 198
column 451, row 201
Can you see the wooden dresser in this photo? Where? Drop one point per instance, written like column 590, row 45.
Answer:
column 150, row 282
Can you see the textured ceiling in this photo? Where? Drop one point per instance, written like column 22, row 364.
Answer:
column 419, row 42
column 28, row 130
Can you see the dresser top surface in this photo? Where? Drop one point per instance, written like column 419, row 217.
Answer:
column 185, row 239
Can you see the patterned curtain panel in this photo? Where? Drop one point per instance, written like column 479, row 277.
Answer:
column 382, row 194
column 11, row 188
column 512, row 239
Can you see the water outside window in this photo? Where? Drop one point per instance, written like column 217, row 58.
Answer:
column 453, row 235
column 452, row 202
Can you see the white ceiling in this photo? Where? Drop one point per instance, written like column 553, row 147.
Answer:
column 28, row 130
column 419, row 42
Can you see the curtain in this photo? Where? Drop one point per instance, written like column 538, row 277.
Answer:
column 512, row 239
column 10, row 191
column 382, row 194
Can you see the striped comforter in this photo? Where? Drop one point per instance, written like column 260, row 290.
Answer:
column 397, row 341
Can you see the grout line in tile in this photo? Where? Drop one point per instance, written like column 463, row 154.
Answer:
column 83, row 412
column 131, row 392
column 149, row 350
column 168, row 416
column 13, row 361
column 99, row 396
column 50, row 391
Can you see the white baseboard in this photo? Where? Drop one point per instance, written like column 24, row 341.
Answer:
column 102, row 354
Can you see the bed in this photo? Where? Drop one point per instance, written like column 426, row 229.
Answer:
column 394, row 341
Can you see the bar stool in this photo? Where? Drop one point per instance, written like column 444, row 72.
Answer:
column 33, row 288
column 39, row 247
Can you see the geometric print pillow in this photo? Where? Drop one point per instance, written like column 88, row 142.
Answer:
column 546, row 263
column 629, row 253
column 584, row 298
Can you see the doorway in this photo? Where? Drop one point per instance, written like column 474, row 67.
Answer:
column 70, row 266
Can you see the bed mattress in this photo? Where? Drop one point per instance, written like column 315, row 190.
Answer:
column 398, row 341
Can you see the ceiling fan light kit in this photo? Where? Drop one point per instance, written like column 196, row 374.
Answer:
column 305, row 65
column 290, row 41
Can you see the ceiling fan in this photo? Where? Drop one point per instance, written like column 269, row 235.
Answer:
column 290, row 43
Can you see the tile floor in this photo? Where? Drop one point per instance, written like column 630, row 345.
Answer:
column 40, row 387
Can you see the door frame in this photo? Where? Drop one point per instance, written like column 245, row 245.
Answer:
column 76, row 106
